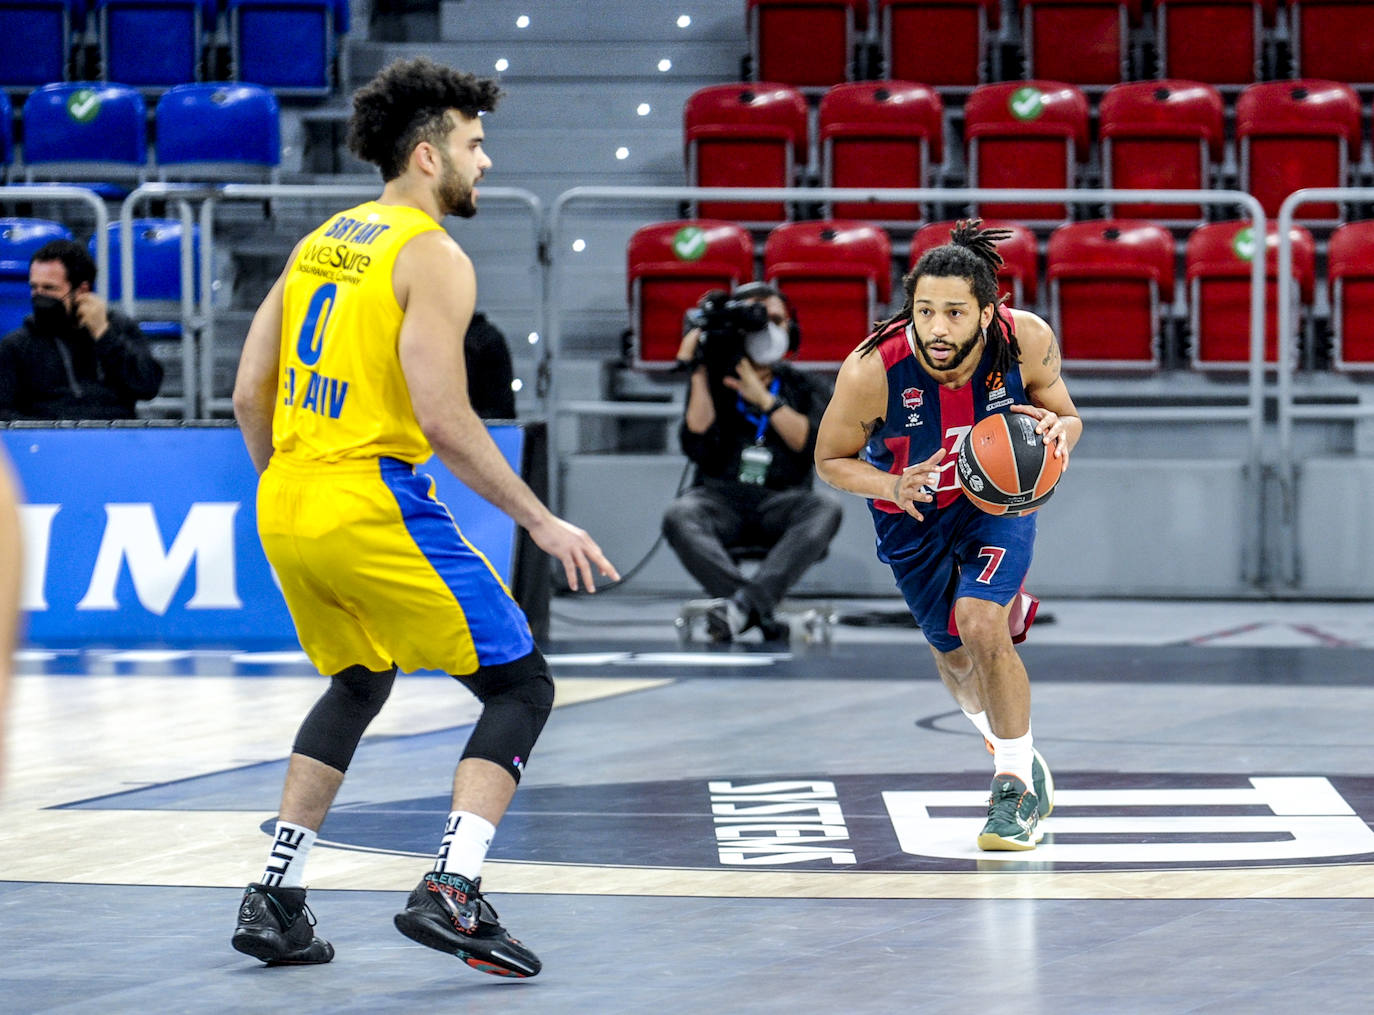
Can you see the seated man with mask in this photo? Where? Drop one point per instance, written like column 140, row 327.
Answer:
column 74, row 357
column 750, row 428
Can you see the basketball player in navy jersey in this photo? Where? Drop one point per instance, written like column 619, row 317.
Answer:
column 904, row 401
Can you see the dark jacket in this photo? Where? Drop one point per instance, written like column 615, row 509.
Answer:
column 490, row 371
column 72, row 376
column 717, row 451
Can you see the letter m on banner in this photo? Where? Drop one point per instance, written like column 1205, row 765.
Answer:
column 132, row 534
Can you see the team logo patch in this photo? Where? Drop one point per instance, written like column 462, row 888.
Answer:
column 912, row 398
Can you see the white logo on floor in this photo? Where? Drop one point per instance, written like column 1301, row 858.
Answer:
column 1307, row 819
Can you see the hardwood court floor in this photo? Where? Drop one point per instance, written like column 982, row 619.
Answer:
column 754, row 830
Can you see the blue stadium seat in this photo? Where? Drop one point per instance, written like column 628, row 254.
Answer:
column 6, row 136
column 20, row 239
column 157, row 264
column 218, row 132
column 287, row 45
column 158, row 303
column 35, row 41
column 85, row 131
column 179, row 26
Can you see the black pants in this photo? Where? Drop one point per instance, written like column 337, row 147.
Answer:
column 705, row 522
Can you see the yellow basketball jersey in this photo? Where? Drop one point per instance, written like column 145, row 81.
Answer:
column 342, row 394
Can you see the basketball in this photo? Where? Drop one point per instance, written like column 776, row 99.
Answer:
column 1005, row 467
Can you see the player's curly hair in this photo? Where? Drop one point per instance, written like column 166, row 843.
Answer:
column 405, row 104
column 971, row 254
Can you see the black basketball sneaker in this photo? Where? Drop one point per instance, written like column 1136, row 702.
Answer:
column 448, row 913
column 277, row 927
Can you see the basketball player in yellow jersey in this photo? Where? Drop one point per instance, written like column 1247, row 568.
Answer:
column 352, row 374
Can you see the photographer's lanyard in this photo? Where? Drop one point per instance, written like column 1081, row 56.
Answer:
column 758, row 418
column 754, row 461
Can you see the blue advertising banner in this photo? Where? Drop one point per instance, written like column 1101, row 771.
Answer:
column 149, row 535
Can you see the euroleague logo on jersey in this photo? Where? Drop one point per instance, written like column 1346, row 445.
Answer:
column 912, row 398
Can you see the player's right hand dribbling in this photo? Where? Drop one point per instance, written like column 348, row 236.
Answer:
column 578, row 552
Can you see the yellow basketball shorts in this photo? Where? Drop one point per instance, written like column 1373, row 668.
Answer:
column 374, row 570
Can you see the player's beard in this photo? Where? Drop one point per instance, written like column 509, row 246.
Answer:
column 961, row 353
column 454, row 193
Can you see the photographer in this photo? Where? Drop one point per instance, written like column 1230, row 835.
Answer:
column 750, row 428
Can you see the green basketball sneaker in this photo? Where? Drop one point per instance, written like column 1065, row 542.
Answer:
column 1013, row 816
column 1042, row 780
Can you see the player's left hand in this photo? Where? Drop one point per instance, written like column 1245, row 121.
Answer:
column 1051, row 427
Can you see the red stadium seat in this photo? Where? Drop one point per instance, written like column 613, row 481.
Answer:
column 1025, row 134
column 1350, row 257
column 1218, row 258
column 1160, row 135
column 838, row 277
column 1332, row 39
column 880, row 134
column 744, row 136
column 1109, row 281
column 1215, row 41
column 1295, row 134
column 1019, row 277
column 906, row 27
column 670, row 266
column 807, row 43
column 1084, row 42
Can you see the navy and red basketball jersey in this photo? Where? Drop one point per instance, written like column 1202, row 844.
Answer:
column 923, row 416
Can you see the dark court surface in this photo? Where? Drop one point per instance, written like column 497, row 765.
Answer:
column 764, row 828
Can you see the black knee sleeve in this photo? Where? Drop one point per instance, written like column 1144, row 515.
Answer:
column 330, row 733
column 516, row 699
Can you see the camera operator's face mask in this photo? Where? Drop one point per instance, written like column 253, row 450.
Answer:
column 768, row 346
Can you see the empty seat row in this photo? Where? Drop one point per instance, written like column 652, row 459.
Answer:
column 93, row 130
column 817, row 43
column 1110, row 285
column 1162, row 135
column 287, row 45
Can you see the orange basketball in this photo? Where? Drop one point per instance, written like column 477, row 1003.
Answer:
column 1005, row 467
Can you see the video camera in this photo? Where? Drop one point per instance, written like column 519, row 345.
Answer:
column 724, row 324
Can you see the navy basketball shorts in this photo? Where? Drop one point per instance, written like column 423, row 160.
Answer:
column 961, row 552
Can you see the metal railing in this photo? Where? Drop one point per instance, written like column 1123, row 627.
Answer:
column 1251, row 413
column 1288, row 409
column 198, row 356
column 75, row 195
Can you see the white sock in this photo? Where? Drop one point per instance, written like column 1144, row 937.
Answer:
column 980, row 723
column 466, row 839
column 1014, row 757
column 286, row 865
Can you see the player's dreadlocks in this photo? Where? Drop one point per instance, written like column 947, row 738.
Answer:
column 971, row 255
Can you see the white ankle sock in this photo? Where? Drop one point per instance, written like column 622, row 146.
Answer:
column 1014, row 757
column 466, row 839
column 286, row 865
column 980, row 723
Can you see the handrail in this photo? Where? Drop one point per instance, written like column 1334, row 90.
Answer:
column 193, row 316
column 59, row 192
column 1287, row 467
column 210, row 198
column 1253, row 564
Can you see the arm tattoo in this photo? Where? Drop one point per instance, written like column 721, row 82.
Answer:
column 1051, row 354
